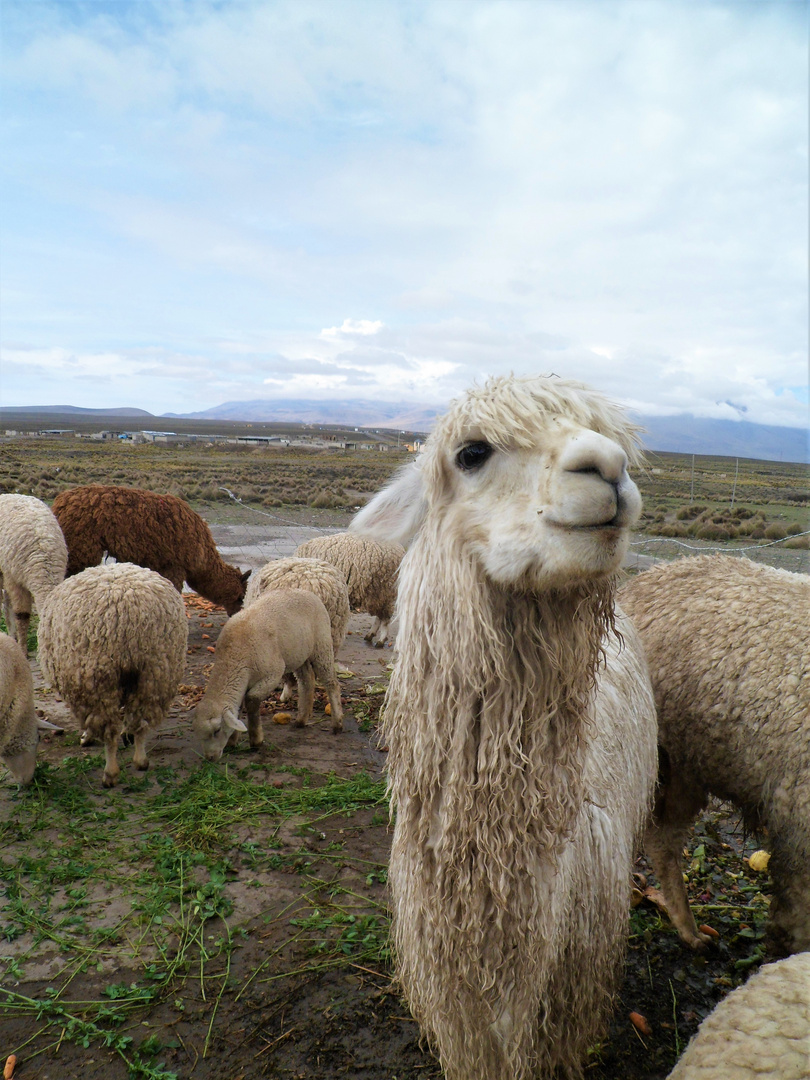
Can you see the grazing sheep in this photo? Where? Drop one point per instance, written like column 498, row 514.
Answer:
column 112, row 642
column 160, row 532
column 316, row 576
column 19, row 726
column 761, row 1031
column 520, row 723
column 370, row 568
column 728, row 646
column 33, row 559
column 284, row 630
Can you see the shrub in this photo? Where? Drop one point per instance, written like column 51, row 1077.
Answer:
column 674, row 529
column 776, row 531
column 689, row 513
column 802, row 542
column 710, row 531
column 793, row 528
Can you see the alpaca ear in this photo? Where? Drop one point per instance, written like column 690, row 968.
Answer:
column 246, row 575
column 232, row 721
column 396, row 512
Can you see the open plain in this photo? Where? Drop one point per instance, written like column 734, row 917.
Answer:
column 230, row 921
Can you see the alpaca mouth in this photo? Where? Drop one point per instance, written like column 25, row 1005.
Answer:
column 615, row 524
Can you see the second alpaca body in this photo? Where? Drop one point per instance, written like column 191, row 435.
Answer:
column 284, row 630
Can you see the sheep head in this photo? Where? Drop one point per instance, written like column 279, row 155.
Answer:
column 214, row 727
column 529, row 476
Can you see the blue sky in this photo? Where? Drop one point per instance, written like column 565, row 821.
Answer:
column 222, row 201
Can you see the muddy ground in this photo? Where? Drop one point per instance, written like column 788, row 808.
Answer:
column 289, row 975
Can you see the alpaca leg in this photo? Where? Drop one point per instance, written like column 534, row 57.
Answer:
column 306, row 694
column 677, row 807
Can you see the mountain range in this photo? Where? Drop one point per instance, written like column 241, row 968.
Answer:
column 682, row 433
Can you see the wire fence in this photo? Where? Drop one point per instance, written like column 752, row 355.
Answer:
column 253, row 542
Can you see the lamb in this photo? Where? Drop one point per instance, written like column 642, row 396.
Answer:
column 284, row 630
column 112, row 642
column 33, row 559
column 160, row 532
column 370, row 567
column 19, row 726
column 761, row 1031
column 316, row 576
column 520, row 723
column 728, row 644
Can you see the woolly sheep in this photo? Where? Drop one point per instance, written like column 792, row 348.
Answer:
column 112, row 642
column 370, row 567
column 19, row 726
column 520, row 724
column 160, row 532
column 728, row 645
column 761, row 1031
column 284, row 630
column 33, row 559
column 316, row 576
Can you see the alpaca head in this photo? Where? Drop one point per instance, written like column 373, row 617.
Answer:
column 529, row 475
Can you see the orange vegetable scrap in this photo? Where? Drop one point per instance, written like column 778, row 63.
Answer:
column 282, row 718
column 640, row 1023
column 8, row 1071
column 710, row 930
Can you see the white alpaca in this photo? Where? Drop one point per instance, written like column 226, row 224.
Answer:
column 520, row 725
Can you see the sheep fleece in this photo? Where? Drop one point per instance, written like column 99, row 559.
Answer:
column 313, row 575
column 728, row 647
column 105, row 623
column 370, row 568
column 761, row 1031
column 18, row 722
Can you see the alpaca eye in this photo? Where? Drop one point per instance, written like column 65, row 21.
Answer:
column 473, row 456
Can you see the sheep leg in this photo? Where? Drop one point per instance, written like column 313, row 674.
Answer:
column 288, row 687
column 139, row 758
column 677, row 806
column 112, row 733
column 17, row 612
column 377, row 634
column 253, row 703
column 789, row 923
column 305, row 677
column 325, row 674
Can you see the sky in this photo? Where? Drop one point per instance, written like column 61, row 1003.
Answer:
column 392, row 199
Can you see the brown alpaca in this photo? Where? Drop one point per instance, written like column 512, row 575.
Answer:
column 159, row 532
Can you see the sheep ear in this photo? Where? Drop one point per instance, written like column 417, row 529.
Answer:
column 396, row 512
column 232, row 721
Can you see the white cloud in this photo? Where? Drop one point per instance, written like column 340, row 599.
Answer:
column 197, row 194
